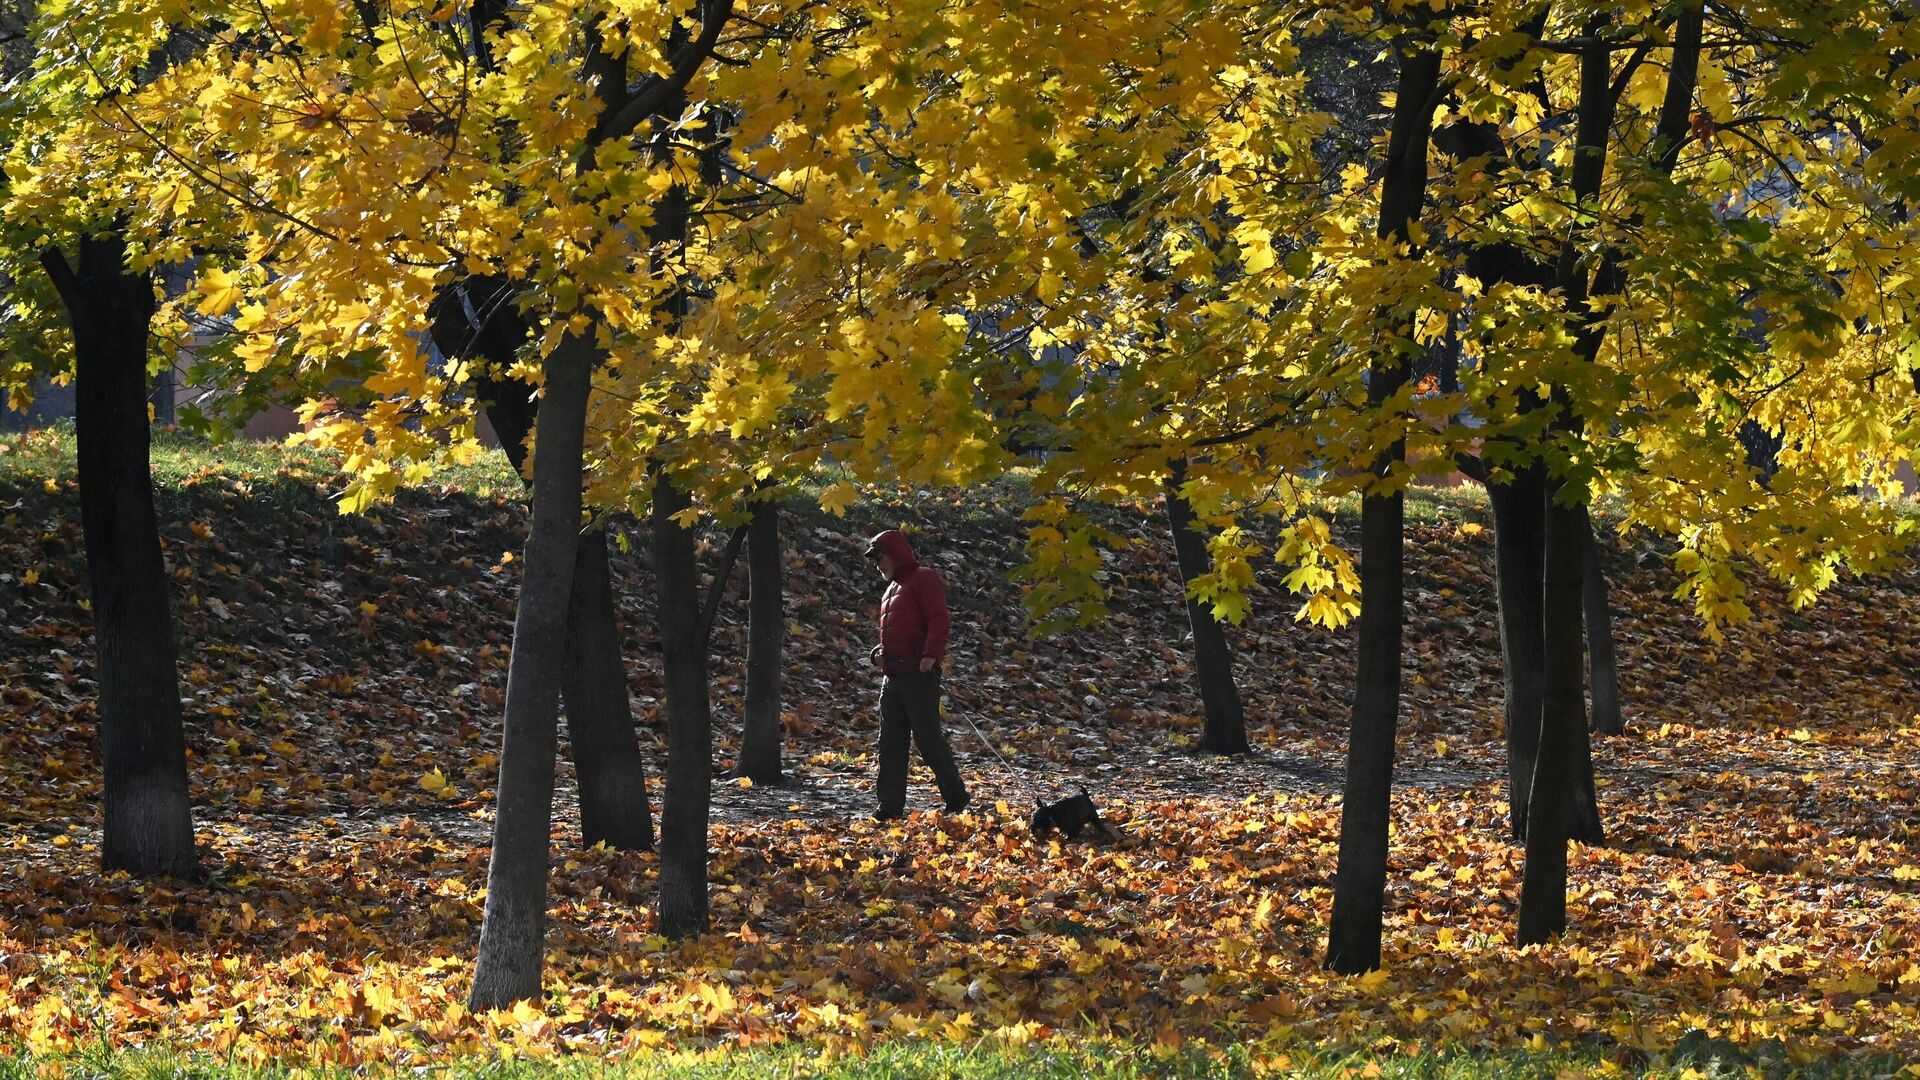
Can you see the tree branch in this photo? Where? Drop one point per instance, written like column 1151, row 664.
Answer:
column 717, row 590
column 1676, row 109
column 655, row 94
column 1471, row 466
column 65, row 282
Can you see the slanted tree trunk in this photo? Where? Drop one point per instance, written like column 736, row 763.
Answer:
column 1359, row 886
column 478, row 317
column 148, row 821
column 1226, row 723
column 513, row 929
column 766, row 623
column 1603, row 671
column 606, row 750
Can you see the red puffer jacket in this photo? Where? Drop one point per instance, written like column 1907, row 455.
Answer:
column 913, row 612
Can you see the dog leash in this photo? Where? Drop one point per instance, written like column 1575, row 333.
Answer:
column 988, row 743
column 1007, row 766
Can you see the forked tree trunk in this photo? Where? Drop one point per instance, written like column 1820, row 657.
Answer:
column 1520, row 510
column 1226, row 720
column 683, row 652
column 514, row 924
column 1603, row 670
column 1359, row 886
column 148, row 821
column 1543, row 881
column 766, row 625
column 478, row 317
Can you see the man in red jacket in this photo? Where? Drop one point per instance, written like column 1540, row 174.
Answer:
column 913, row 641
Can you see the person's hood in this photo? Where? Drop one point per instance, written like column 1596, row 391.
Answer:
column 894, row 542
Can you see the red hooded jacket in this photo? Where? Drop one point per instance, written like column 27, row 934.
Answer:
column 913, row 612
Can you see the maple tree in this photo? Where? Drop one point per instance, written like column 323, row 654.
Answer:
column 1614, row 420
column 107, row 293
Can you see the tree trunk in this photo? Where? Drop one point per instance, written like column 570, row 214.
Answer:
column 1519, row 513
column 683, row 652
column 1359, row 887
column 1603, row 671
column 766, row 622
column 148, row 820
column 513, row 930
column 607, row 766
column 606, row 748
column 1226, row 726
column 1543, row 884
column 1519, row 537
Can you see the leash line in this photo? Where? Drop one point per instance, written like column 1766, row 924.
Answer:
column 1005, row 765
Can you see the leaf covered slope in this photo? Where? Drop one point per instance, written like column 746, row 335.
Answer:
column 344, row 677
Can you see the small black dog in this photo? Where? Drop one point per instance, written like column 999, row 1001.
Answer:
column 1070, row 815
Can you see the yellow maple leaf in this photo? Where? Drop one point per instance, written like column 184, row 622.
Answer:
column 837, row 497
column 218, row 293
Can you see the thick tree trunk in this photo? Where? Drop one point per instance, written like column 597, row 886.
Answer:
column 1543, row 885
column 148, row 822
column 514, row 927
column 766, row 623
column 1359, row 887
column 1603, row 671
column 607, row 766
column 683, row 651
column 1226, row 721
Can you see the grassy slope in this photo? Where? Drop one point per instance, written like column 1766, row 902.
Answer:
column 330, row 662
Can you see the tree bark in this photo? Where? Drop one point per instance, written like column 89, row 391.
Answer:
column 607, row 765
column 1226, row 720
column 148, row 819
column 1543, row 886
column 766, row 623
column 1603, row 670
column 1519, row 538
column 1359, row 887
column 683, row 653
column 1519, row 513
column 478, row 317
column 514, row 924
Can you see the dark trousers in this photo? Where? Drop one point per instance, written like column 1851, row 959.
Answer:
column 910, row 707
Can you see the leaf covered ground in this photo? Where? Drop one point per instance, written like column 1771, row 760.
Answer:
column 1756, row 903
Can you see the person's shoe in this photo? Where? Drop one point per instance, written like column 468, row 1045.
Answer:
column 960, row 805
column 888, row 814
